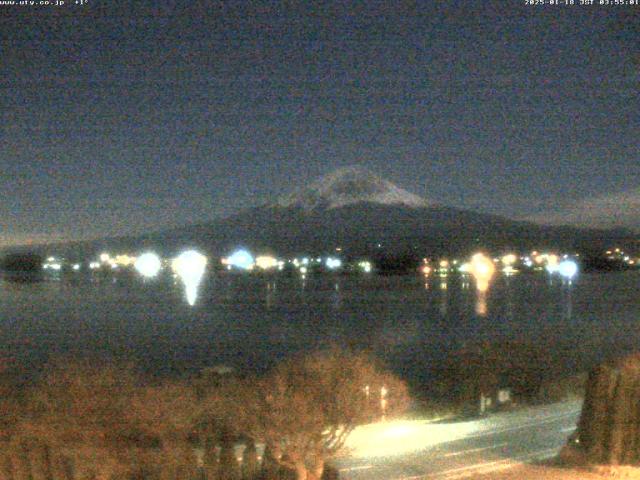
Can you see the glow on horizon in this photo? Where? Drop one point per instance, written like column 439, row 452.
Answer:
column 509, row 259
column 482, row 268
column 509, row 270
column 333, row 263
column 240, row 259
column 552, row 263
column 551, row 268
column 365, row 266
column 266, row 262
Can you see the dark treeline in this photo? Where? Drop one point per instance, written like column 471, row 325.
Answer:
column 90, row 421
column 533, row 371
column 21, row 262
column 609, row 425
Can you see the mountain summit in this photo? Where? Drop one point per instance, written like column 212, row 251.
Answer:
column 366, row 216
column 350, row 185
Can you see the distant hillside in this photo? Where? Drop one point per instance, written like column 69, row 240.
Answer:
column 363, row 214
column 365, row 228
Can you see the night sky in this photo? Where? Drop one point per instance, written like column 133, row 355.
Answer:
column 117, row 118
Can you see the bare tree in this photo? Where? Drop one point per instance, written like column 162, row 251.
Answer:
column 163, row 419
column 306, row 408
column 220, row 423
column 103, row 421
column 74, row 423
column 250, row 461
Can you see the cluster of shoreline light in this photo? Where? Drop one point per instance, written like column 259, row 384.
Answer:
column 509, row 264
column 480, row 267
column 57, row 265
column 617, row 254
column 189, row 267
column 52, row 263
column 483, row 268
column 243, row 260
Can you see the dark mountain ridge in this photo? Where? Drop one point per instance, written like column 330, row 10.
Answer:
column 363, row 215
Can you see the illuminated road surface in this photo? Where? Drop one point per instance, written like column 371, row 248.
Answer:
column 422, row 450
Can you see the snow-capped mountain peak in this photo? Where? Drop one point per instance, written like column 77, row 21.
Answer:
column 349, row 185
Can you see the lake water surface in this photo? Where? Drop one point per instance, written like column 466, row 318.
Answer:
column 248, row 322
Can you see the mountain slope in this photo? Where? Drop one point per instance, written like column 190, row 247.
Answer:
column 367, row 228
column 364, row 215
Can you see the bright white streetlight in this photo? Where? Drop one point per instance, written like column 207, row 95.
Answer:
column 568, row 269
column 148, row 265
column 240, row 259
column 190, row 267
column 333, row 263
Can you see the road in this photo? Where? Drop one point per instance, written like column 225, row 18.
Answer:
column 413, row 450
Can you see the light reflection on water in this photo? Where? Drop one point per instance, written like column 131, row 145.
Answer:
column 481, row 303
column 270, row 296
column 191, row 290
column 444, row 298
column 190, row 267
column 252, row 320
column 567, row 301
